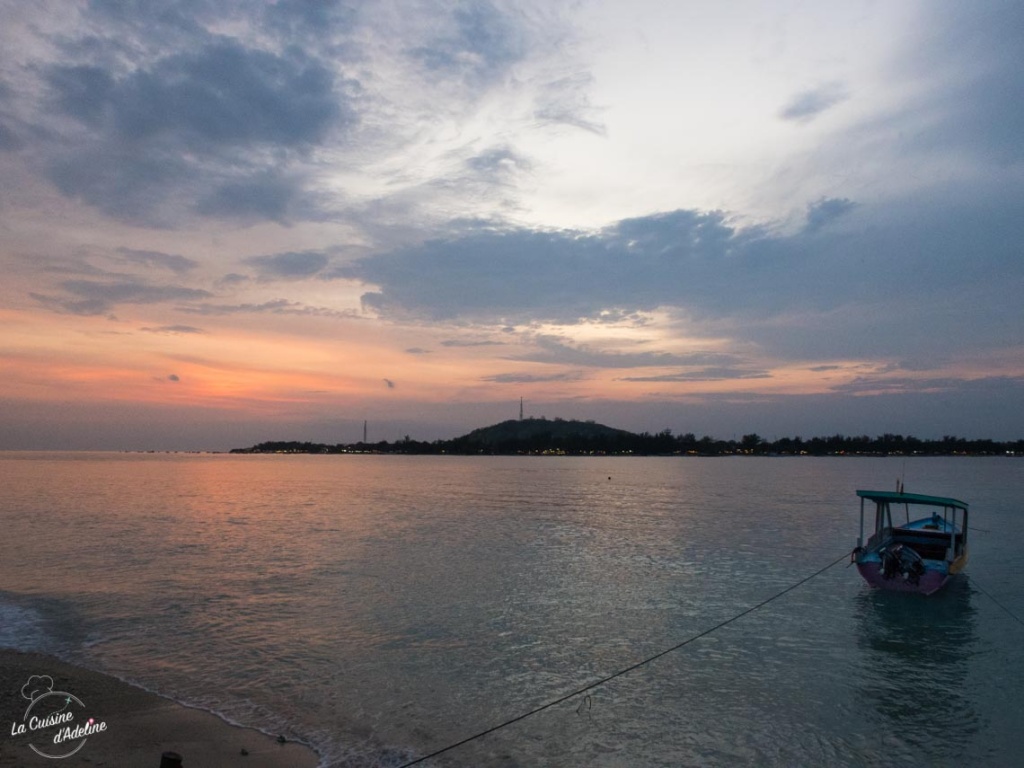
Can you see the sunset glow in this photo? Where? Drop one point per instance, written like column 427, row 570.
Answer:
column 283, row 218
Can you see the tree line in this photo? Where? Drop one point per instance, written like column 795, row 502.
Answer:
column 663, row 443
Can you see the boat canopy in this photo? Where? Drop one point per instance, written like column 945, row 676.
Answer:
column 912, row 498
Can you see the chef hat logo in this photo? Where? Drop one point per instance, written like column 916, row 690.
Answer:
column 36, row 686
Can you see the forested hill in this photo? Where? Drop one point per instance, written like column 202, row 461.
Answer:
column 562, row 437
column 542, row 432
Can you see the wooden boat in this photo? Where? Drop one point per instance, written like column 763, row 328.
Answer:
column 919, row 555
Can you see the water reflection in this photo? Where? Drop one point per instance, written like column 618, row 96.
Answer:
column 914, row 669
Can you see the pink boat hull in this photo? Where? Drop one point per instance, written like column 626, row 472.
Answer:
column 930, row 581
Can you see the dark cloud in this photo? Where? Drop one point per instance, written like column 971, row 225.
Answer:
column 210, row 127
column 173, row 377
column 263, row 194
column 479, row 42
column 171, row 261
column 500, row 164
column 302, row 19
column 704, row 374
column 417, row 351
column 9, row 140
column 88, row 297
column 171, row 22
column 275, row 307
column 233, row 278
column 76, row 264
column 638, row 264
column 291, row 265
column 979, row 408
column 124, row 183
column 222, row 94
column 894, row 279
column 156, row 114
column 826, row 210
column 807, row 105
column 968, row 57
column 471, row 343
column 894, row 384
column 531, row 378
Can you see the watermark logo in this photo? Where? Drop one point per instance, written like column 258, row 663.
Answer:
column 55, row 723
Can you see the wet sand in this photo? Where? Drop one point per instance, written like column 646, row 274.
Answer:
column 140, row 726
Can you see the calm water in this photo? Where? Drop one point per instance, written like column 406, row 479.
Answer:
column 409, row 602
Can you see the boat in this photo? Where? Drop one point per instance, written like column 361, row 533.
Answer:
column 920, row 555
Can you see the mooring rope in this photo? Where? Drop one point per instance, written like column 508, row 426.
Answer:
column 628, row 669
column 987, row 594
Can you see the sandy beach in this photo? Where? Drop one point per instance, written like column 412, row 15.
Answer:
column 139, row 726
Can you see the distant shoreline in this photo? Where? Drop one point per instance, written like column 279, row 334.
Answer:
column 373, row 451
column 541, row 437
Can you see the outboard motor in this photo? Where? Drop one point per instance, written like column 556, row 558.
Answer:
column 903, row 561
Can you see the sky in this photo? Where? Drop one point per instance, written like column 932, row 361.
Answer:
column 226, row 221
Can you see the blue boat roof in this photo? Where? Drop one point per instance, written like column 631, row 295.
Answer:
column 912, row 498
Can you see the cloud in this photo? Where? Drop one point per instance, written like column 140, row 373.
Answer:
column 9, row 141
column 222, row 94
column 968, row 59
column 564, row 101
column 498, row 165
column 209, row 125
column 825, row 211
column 869, row 288
column 882, row 384
column 704, row 374
column 531, row 378
column 291, row 265
column 174, row 329
column 478, row 42
column 90, row 297
column 273, row 307
column 389, row 383
column 232, row 279
column 269, row 197
column 173, row 377
column 808, row 105
column 170, row 261
column 428, row 139
column 124, row 183
column 157, row 116
column 300, row 19
column 556, row 350
column 523, row 275
column 471, row 343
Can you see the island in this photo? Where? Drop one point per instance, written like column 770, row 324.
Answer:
column 561, row 437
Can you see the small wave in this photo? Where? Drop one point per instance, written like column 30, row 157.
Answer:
column 332, row 752
column 21, row 628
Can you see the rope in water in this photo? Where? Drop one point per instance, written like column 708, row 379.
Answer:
column 628, row 669
column 986, row 593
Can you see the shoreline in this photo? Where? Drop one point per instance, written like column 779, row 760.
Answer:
column 139, row 725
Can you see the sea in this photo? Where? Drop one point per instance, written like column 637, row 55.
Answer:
column 383, row 608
